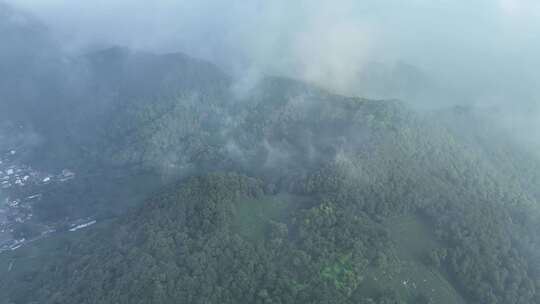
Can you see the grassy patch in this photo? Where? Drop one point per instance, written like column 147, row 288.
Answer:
column 406, row 271
column 412, row 237
column 252, row 217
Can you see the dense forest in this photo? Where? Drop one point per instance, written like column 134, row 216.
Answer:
column 285, row 194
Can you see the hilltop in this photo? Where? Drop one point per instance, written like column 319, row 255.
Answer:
column 286, row 194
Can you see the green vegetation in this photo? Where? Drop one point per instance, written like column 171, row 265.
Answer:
column 169, row 248
column 332, row 200
column 254, row 218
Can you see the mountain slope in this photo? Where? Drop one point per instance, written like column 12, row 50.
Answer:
column 335, row 176
column 330, row 198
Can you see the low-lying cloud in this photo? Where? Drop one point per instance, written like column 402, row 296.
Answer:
column 430, row 52
column 322, row 41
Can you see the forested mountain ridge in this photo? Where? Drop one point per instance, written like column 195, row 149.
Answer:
column 327, row 200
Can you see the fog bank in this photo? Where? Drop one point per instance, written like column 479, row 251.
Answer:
column 431, row 53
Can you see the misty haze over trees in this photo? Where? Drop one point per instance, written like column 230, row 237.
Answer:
column 304, row 152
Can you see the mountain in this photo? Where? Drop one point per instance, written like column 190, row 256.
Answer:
column 287, row 194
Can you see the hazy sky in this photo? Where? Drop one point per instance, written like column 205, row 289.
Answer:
column 484, row 51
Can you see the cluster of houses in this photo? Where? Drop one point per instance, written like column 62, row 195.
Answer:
column 21, row 187
column 17, row 175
